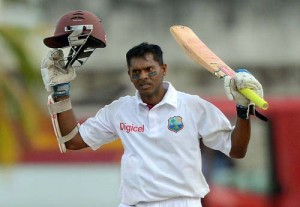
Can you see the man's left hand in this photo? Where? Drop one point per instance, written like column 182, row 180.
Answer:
column 242, row 79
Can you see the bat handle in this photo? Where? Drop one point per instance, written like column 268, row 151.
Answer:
column 256, row 99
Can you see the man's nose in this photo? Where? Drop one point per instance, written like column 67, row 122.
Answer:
column 144, row 75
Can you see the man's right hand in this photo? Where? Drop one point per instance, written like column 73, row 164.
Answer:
column 55, row 76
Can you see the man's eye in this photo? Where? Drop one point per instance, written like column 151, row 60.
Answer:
column 135, row 71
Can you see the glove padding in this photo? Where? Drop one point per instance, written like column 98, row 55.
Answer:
column 242, row 79
column 53, row 70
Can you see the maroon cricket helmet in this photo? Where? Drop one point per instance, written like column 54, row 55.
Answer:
column 97, row 39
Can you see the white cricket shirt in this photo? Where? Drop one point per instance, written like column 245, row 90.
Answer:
column 162, row 158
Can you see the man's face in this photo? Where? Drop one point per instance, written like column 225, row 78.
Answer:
column 147, row 76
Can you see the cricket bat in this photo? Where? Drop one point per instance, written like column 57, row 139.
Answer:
column 200, row 53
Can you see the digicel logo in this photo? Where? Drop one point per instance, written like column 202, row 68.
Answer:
column 131, row 128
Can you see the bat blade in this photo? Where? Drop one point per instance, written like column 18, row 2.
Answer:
column 201, row 54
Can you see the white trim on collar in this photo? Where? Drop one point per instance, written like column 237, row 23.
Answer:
column 169, row 98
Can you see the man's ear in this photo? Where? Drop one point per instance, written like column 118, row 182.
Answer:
column 128, row 72
column 164, row 68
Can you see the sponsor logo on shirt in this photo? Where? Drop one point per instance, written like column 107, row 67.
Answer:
column 175, row 124
column 131, row 128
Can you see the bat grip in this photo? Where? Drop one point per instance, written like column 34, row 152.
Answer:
column 256, row 99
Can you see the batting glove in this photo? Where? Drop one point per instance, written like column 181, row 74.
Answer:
column 242, row 79
column 55, row 76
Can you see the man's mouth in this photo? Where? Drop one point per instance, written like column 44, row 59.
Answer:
column 145, row 86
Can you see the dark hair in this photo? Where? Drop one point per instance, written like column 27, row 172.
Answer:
column 142, row 49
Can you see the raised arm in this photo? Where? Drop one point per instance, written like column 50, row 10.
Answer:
column 57, row 80
column 81, row 32
column 67, row 122
column 240, row 136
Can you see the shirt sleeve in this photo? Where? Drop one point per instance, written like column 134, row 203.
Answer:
column 98, row 130
column 214, row 128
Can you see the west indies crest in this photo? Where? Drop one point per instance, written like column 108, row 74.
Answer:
column 175, row 124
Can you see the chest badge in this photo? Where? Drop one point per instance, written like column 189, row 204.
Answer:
column 175, row 124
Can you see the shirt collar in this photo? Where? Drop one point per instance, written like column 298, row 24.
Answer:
column 169, row 98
